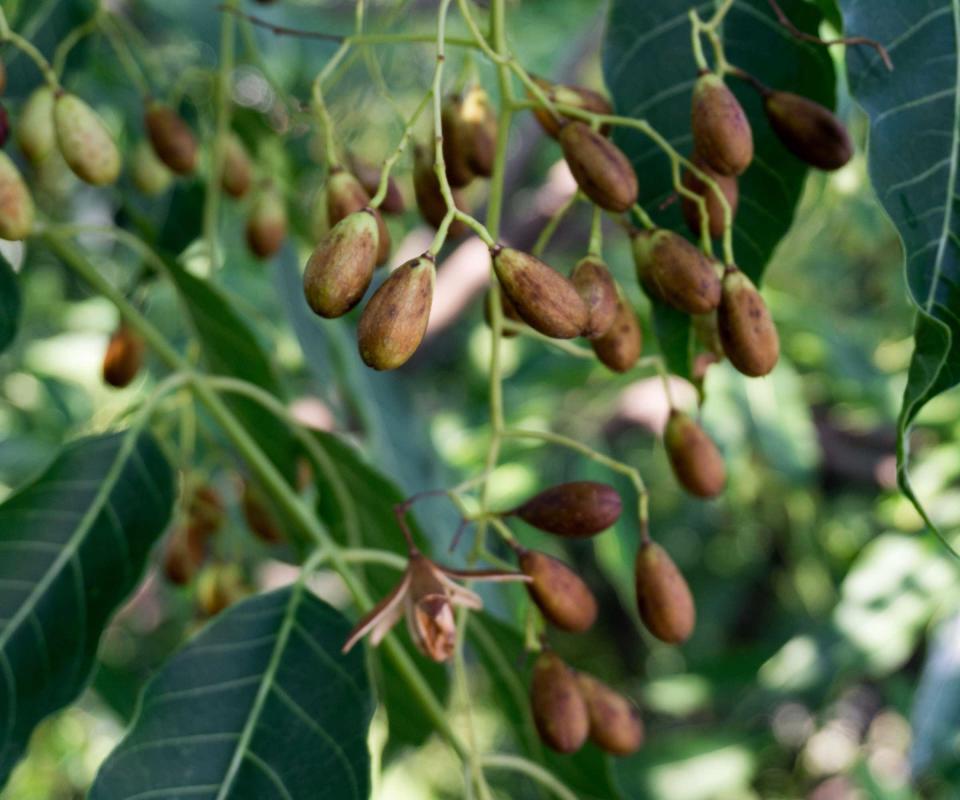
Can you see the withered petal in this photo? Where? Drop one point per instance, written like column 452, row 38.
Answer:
column 386, row 609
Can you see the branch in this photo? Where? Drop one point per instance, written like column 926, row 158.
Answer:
column 281, row 30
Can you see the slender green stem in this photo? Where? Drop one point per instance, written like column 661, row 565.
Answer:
column 26, row 47
column 562, row 345
column 595, row 247
column 69, row 41
column 389, row 163
column 109, row 27
column 552, row 224
column 532, row 770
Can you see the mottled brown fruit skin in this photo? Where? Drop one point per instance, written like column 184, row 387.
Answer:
column 575, row 510
column 544, row 299
column 345, row 196
column 508, row 309
column 171, row 137
column 721, row 131
column 266, row 227
column 808, row 130
column 559, row 593
column 430, row 202
column 615, row 724
column 598, row 290
column 619, row 348
column 369, row 177
column 695, row 459
column 663, row 597
column 16, row 202
column 729, row 186
column 341, row 266
column 674, row 271
column 84, row 141
column 576, row 96
column 455, row 144
column 559, row 710
column 478, row 123
column 600, row 168
column 747, row 332
column 260, row 520
column 237, row 175
column 35, row 133
column 394, row 321
column 123, row 358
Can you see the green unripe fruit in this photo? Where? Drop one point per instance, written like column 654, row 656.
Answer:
column 16, row 203
column 620, row 347
column 266, row 224
column 615, row 724
column 663, row 597
column 695, row 459
column 430, row 202
column 341, row 267
column 576, row 96
column 562, row 597
column 395, row 319
column 676, row 272
column 171, row 138
column 808, row 130
column 84, row 141
column 559, row 709
column 576, row 509
column 730, row 188
column 721, row 131
column 123, row 358
column 237, row 173
column 600, row 168
column 747, row 332
column 35, row 132
column 149, row 174
column 598, row 290
column 547, row 301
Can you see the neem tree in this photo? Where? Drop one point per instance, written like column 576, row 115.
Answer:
column 272, row 698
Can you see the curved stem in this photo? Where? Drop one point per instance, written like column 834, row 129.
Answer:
column 531, row 770
column 26, row 47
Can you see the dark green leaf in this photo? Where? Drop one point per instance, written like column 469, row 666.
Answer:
column 9, row 304
column 74, row 543
column 260, row 704
column 650, row 71
column 914, row 164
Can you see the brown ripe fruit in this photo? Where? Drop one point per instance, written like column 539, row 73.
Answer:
column 171, row 137
column 123, row 358
column 729, row 186
column 455, row 144
column 84, row 141
column 545, row 300
column 341, row 266
column 369, row 177
column 695, row 459
column 237, row 174
column 663, row 597
column 206, row 511
column 577, row 96
column 35, row 132
column 345, row 196
column 426, row 188
column 393, row 323
column 575, row 510
column 479, row 125
column 559, row 710
column 598, row 290
column 620, row 347
column 182, row 556
column 260, row 519
column 615, row 724
column 267, row 224
column 16, row 202
column 721, row 131
column 675, row 271
column 508, row 309
column 601, row 169
column 560, row 594
column 747, row 332
column 808, row 130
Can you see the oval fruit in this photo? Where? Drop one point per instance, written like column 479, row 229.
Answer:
column 565, row 95
column 35, row 131
column 430, row 202
column 600, row 168
column 576, row 509
column 663, row 597
column 16, row 202
column 237, row 174
column 721, row 131
column 695, row 459
column 479, row 131
column 149, row 174
column 747, row 332
column 395, row 319
column 620, row 347
column 266, row 224
column 455, row 143
column 123, row 358
column 730, row 188
column 615, row 724
column 598, row 290
column 562, row 597
column 84, row 141
column 259, row 518
column 171, row 138
column 675, row 271
column 559, row 710
column 341, row 266
column 345, row 196
column 808, row 130
column 547, row 301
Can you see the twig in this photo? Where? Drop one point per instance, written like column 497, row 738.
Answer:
column 847, row 40
column 281, row 30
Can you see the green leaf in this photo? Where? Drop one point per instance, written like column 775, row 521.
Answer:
column 260, row 704
column 357, row 504
column 935, row 715
column 914, row 163
column 9, row 304
column 650, row 70
column 73, row 545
